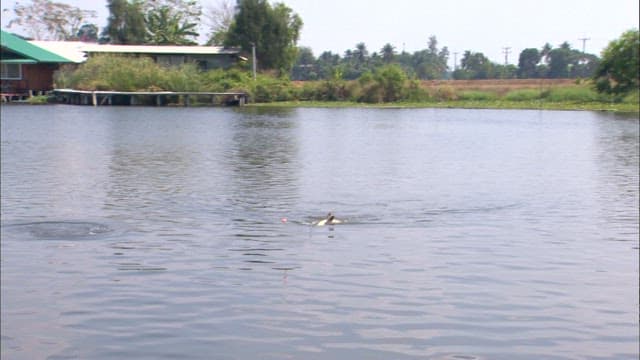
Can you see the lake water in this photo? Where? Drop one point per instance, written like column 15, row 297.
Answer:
column 151, row 233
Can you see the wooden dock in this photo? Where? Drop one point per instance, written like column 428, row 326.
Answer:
column 14, row 97
column 149, row 98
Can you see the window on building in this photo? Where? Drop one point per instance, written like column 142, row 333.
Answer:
column 170, row 60
column 202, row 65
column 11, row 72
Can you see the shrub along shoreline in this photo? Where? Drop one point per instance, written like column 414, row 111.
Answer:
column 387, row 87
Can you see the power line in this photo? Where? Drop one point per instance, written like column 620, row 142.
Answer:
column 584, row 41
column 506, row 51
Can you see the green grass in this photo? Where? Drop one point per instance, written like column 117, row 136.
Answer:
column 477, row 95
column 38, row 100
column 578, row 94
column 464, row 104
column 632, row 98
column 523, row 95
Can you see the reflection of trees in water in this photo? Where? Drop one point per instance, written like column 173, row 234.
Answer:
column 264, row 162
column 140, row 178
column 618, row 163
column 263, row 178
column 151, row 166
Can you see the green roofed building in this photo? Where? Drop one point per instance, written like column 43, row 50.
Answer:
column 26, row 68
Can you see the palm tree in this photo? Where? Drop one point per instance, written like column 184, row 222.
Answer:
column 388, row 52
column 164, row 27
column 544, row 53
column 361, row 53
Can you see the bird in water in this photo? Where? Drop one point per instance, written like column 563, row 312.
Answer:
column 329, row 220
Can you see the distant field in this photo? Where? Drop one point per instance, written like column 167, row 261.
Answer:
column 557, row 94
column 498, row 86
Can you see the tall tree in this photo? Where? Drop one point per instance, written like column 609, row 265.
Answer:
column 544, row 52
column 474, row 66
column 126, row 23
column 274, row 30
column 388, row 53
column 431, row 63
column 304, row 68
column 189, row 10
column 528, row 63
column 48, row 20
column 618, row 71
column 219, row 18
column 88, row 33
column 355, row 62
column 560, row 60
column 361, row 54
column 167, row 27
column 326, row 64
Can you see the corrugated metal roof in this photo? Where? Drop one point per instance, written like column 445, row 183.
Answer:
column 72, row 50
column 159, row 49
column 29, row 51
column 77, row 51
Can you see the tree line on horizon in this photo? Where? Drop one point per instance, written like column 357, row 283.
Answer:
column 273, row 30
column 432, row 63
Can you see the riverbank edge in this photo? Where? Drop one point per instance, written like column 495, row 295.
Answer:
column 451, row 104
column 463, row 104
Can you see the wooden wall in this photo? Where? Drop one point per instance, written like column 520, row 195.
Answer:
column 35, row 77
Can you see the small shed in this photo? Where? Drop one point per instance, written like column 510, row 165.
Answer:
column 26, row 68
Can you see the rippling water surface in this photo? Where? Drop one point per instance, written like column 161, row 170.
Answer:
column 150, row 233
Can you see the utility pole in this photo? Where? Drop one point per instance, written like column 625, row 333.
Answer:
column 253, row 53
column 584, row 41
column 506, row 51
column 455, row 61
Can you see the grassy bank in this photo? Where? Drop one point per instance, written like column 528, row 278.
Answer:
column 388, row 87
column 465, row 104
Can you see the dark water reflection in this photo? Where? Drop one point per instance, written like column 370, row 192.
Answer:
column 185, row 233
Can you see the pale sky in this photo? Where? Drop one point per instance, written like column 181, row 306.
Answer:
column 485, row 26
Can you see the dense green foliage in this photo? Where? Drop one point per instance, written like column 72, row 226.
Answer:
column 88, row 33
column 474, row 66
column 618, row 71
column 165, row 27
column 126, row 24
column 564, row 62
column 387, row 84
column 156, row 22
column 528, row 63
column 432, row 63
column 273, row 30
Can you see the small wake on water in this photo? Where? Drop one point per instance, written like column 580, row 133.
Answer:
column 469, row 210
column 58, row 230
column 399, row 216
